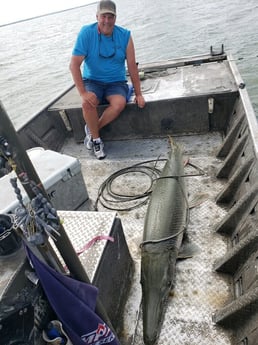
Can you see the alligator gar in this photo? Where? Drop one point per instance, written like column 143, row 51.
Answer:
column 164, row 227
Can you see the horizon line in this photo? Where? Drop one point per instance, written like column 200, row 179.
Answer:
column 46, row 14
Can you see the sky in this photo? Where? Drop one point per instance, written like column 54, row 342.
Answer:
column 15, row 10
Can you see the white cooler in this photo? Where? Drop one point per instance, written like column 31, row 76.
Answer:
column 61, row 176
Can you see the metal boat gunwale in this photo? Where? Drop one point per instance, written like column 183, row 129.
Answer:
column 250, row 114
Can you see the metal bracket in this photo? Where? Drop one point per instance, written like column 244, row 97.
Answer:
column 213, row 53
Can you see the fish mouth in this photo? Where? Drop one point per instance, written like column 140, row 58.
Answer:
column 153, row 317
column 150, row 340
column 156, row 284
column 150, row 333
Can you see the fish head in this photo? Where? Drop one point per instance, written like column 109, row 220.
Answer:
column 157, row 272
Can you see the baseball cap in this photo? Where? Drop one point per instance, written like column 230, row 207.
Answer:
column 106, row 6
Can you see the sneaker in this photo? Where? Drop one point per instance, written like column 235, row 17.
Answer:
column 88, row 142
column 54, row 334
column 98, row 148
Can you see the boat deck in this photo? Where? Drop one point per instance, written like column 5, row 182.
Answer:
column 199, row 291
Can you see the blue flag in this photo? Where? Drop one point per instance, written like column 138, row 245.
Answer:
column 74, row 303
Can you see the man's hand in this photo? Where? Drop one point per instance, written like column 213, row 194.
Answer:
column 90, row 98
column 140, row 101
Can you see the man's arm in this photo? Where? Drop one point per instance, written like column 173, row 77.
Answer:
column 133, row 71
column 75, row 68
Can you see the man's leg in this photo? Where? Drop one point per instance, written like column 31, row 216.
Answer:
column 89, row 109
column 116, row 105
column 91, row 118
column 92, row 140
column 90, row 115
column 116, row 97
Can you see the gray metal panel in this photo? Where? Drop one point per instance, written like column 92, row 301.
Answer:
column 108, row 264
column 82, row 227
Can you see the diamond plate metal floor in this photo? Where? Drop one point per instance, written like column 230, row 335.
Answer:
column 199, row 291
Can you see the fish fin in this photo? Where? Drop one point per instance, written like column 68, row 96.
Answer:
column 188, row 250
column 198, row 199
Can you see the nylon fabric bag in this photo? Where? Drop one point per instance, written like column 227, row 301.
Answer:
column 74, row 303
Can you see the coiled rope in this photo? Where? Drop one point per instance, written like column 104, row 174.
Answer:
column 112, row 200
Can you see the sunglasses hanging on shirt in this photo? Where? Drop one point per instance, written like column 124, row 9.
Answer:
column 107, row 47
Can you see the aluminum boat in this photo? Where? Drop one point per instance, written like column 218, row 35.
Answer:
column 203, row 104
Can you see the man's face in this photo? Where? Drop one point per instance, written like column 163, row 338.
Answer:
column 106, row 22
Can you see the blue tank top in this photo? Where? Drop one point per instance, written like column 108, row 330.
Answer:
column 104, row 55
